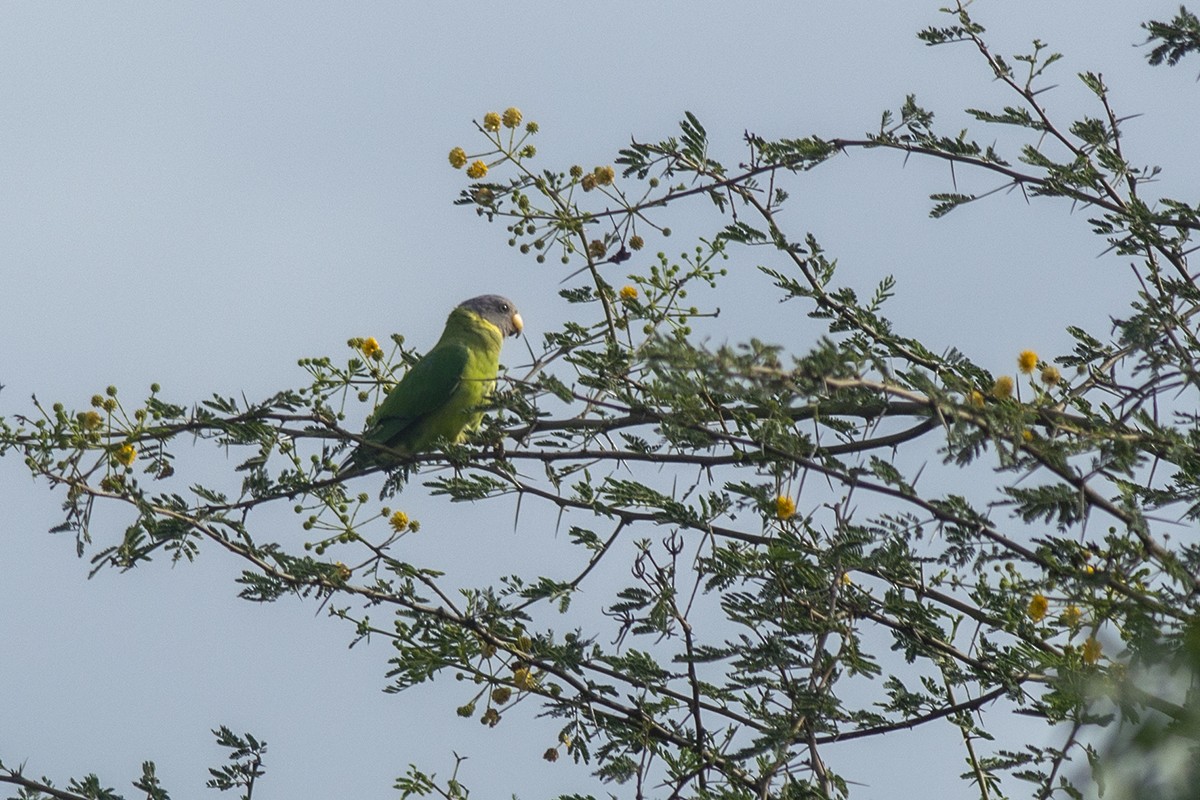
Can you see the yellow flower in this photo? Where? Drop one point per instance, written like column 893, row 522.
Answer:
column 604, row 175
column 1027, row 435
column 491, row 121
column 343, row 572
column 785, row 507
column 975, row 398
column 628, row 293
column 847, row 580
column 1071, row 615
column 588, row 182
column 477, row 170
column 522, row 679
column 1038, row 607
column 1091, row 650
column 1051, row 376
column 596, row 248
column 126, row 454
column 399, row 522
column 636, row 242
column 512, row 117
column 91, row 420
column 458, row 158
column 501, row 695
column 371, row 348
column 1027, row 361
column 1003, row 388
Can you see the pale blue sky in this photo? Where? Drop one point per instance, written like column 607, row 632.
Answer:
column 200, row 194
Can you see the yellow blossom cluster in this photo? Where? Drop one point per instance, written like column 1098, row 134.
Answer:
column 401, row 523
column 523, row 680
column 1038, row 606
column 785, row 507
column 126, row 454
column 1003, row 388
column 1070, row 617
column 629, row 293
column 1027, row 361
column 370, row 348
column 511, row 118
column 600, row 176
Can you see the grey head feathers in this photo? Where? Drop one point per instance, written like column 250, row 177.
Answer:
column 498, row 310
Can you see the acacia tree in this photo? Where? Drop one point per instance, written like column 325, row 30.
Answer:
column 764, row 585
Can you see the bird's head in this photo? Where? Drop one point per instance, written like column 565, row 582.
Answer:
column 500, row 311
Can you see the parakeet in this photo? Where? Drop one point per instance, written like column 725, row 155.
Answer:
column 439, row 398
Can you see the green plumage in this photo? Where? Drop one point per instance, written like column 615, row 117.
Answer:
column 440, row 398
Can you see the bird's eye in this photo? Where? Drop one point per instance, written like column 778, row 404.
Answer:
column 504, row 306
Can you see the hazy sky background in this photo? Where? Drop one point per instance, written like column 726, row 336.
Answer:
column 200, row 194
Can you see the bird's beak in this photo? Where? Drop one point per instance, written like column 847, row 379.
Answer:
column 518, row 324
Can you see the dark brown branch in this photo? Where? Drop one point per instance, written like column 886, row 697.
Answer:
column 913, row 722
column 17, row 779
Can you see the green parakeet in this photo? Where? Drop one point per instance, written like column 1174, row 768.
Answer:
column 439, row 399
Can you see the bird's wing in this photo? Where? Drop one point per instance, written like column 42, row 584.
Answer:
column 424, row 390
